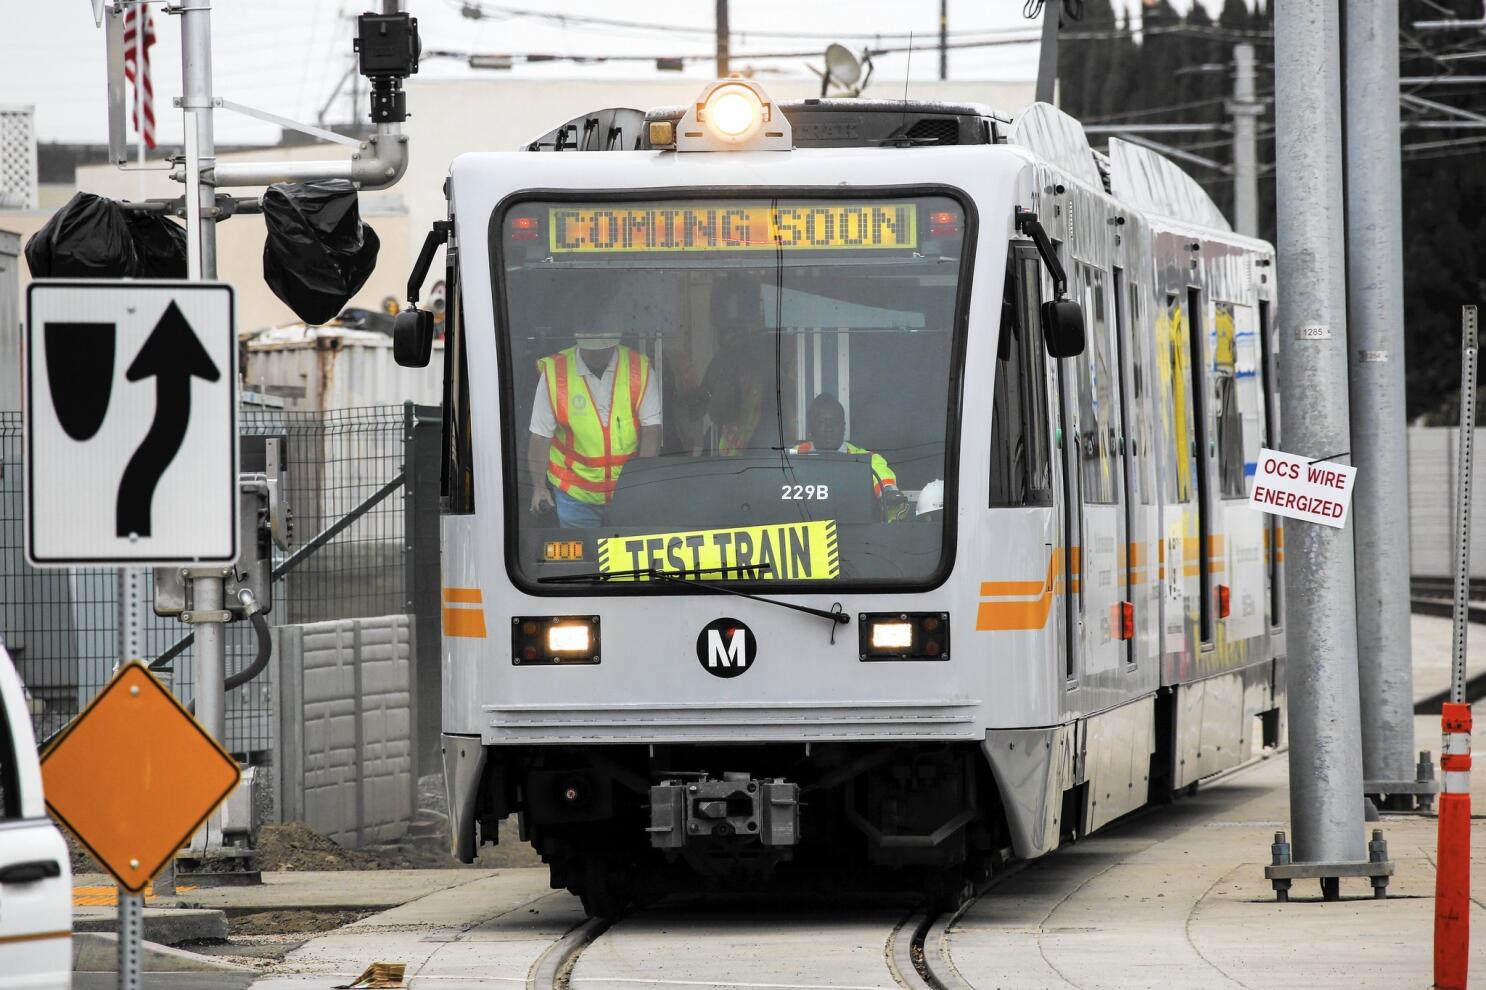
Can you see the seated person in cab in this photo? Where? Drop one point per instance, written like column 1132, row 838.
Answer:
column 596, row 406
column 825, row 424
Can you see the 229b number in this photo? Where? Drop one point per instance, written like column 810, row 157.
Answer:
column 814, row 493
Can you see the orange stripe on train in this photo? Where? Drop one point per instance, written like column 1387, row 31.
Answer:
column 1030, row 613
column 465, row 622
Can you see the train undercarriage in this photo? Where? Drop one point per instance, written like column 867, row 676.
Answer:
column 625, row 823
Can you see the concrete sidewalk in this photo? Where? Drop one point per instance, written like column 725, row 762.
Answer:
column 1176, row 897
column 491, row 928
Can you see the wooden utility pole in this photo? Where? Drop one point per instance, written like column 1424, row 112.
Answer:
column 722, row 39
column 943, row 39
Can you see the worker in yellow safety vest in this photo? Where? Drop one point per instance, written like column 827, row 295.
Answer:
column 825, row 425
column 596, row 407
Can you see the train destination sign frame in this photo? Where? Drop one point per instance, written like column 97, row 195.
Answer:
column 720, row 225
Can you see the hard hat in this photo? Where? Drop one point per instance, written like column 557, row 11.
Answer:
column 930, row 498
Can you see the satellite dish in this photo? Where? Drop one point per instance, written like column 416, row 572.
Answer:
column 842, row 67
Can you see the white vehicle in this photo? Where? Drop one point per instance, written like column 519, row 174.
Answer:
column 918, row 536
column 35, row 873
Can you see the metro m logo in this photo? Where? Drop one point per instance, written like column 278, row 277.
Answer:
column 727, row 655
column 726, row 648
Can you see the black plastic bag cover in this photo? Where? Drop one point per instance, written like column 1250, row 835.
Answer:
column 160, row 243
column 318, row 252
column 87, row 238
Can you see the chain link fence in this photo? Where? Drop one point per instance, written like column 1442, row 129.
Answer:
column 377, row 464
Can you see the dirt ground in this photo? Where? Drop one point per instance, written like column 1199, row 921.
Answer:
column 296, row 846
column 260, row 923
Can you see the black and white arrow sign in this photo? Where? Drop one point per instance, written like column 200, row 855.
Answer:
column 131, row 423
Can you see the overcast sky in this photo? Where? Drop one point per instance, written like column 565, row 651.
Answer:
column 286, row 56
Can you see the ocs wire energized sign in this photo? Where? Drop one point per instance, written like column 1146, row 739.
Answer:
column 1299, row 488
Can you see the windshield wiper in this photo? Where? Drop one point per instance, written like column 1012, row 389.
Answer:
column 837, row 616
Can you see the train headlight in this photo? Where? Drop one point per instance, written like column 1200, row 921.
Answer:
column 733, row 111
column 554, row 639
column 904, row 635
column 891, row 635
column 569, row 638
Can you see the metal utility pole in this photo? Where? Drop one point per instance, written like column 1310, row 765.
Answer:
column 1047, row 59
column 1379, row 441
column 1245, row 112
column 724, row 37
column 1326, row 803
column 209, row 655
column 1452, row 874
column 943, row 39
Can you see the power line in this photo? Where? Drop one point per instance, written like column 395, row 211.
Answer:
column 478, row 10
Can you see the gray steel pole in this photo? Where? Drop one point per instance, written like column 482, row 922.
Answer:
column 131, row 940
column 1245, row 112
column 1047, row 58
column 196, row 101
column 1380, row 504
column 1465, row 470
column 1326, row 802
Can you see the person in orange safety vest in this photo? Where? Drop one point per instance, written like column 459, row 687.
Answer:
column 596, row 407
column 825, row 424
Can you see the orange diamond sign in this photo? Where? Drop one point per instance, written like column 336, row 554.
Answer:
column 134, row 776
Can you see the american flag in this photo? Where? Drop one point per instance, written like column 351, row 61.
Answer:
column 137, row 70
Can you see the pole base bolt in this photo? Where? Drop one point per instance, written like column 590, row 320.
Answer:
column 1377, row 852
column 1279, row 852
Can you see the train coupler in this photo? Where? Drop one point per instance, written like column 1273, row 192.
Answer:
column 735, row 806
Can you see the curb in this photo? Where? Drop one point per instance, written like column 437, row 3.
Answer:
column 167, row 926
column 98, row 952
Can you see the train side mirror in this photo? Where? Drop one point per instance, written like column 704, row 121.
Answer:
column 412, row 337
column 1062, row 328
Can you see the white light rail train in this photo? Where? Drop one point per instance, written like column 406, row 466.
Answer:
column 843, row 483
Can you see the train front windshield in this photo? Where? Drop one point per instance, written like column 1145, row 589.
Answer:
column 751, row 390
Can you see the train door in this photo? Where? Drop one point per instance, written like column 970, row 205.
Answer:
column 1065, row 429
column 1239, row 416
column 1202, row 455
column 1099, row 585
column 1128, row 552
column 1177, row 484
column 1273, row 535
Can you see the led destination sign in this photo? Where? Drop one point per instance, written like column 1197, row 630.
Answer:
column 718, row 226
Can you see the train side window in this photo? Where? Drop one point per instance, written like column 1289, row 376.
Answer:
column 1142, row 433
column 1178, row 426
column 1097, row 440
column 1226, row 396
column 457, row 481
column 1021, row 469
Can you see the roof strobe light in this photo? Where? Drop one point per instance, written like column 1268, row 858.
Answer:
column 733, row 114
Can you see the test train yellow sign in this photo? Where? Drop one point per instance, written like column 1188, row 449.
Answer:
column 805, row 551
column 721, row 226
